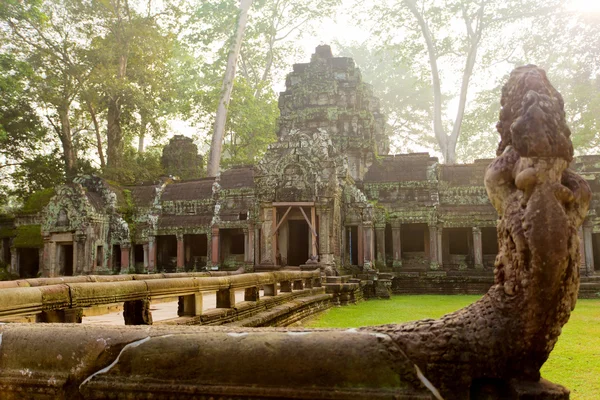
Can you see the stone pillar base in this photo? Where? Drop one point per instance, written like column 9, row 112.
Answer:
column 137, row 312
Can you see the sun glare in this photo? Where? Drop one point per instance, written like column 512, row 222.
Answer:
column 586, row 5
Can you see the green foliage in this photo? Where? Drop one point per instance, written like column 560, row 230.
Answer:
column 7, row 232
column 39, row 173
column 5, row 275
column 137, row 168
column 28, row 236
column 251, row 125
column 38, row 200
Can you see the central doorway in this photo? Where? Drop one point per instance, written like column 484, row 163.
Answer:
column 298, row 242
column 65, row 259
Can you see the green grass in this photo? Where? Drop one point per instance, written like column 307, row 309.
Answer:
column 574, row 363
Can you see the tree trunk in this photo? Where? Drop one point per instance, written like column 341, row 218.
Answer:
column 447, row 143
column 98, row 136
column 216, row 146
column 438, row 126
column 142, row 135
column 114, row 135
column 69, row 153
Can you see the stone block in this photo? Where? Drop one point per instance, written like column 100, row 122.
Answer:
column 251, row 294
column 137, row 312
column 225, row 298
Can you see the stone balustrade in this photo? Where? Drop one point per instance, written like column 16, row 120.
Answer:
column 63, row 299
column 112, row 278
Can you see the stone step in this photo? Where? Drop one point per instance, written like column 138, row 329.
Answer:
column 339, row 279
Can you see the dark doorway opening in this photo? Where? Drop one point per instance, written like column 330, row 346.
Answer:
column 116, row 257
column 166, row 253
column 6, row 250
column 29, row 262
column 99, row 256
column 596, row 250
column 138, row 257
column 412, row 237
column 67, row 266
column 489, row 241
column 352, row 243
column 196, row 252
column 458, row 240
column 298, row 242
column 389, row 245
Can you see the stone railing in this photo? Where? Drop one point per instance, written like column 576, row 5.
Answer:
column 111, row 278
column 64, row 302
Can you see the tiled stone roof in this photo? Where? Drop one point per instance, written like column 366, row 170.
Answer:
column 189, row 190
column 464, row 174
column 143, row 195
column 184, row 221
column 400, row 167
column 238, row 177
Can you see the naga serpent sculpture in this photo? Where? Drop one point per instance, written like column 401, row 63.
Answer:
column 510, row 332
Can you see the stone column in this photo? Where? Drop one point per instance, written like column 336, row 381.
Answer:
column 368, row 244
column 313, row 241
column 380, row 233
column 215, row 246
column 250, row 245
column 477, row 248
column 151, row 254
column 360, row 246
column 146, row 247
column 256, row 259
column 48, row 260
column 582, row 266
column 208, row 249
column 246, row 247
column 180, row 253
column 125, row 247
column 433, row 247
column 274, row 238
column 439, row 244
column 588, row 247
column 396, row 243
column 80, row 262
column 14, row 261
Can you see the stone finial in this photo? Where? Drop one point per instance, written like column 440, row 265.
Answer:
column 324, row 51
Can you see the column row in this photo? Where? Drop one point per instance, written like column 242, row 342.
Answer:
column 420, row 245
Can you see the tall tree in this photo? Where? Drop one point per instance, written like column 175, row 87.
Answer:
column 41, row 34
column 216, row 146
column 430, row 29
column 566, row 45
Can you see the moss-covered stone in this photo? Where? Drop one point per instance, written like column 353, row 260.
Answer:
column 38, row 200
column 28, row 236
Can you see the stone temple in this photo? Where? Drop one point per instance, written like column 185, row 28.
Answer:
column 326, row 194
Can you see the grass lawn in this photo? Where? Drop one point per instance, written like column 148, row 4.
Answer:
column 574, row 363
